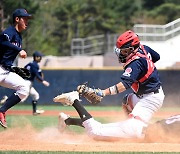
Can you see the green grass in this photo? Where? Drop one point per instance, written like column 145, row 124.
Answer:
column 41, row 122
column 57, row 106
column 70, row 108
column 38, row 122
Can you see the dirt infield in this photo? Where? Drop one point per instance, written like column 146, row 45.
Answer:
column 50, row 139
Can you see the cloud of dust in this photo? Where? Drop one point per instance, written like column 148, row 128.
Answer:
column 22, row 130
column 52, row 134
column 24, row 133
column 156, row 133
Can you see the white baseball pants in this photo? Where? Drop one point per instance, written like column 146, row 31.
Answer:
column 13, row 81
column 32, row 92
column 144, row 108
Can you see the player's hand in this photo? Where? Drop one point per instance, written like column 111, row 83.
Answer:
column 99, row 92
column 46, row 83
column 84, row 88
column 23, row 54
column 94, row 96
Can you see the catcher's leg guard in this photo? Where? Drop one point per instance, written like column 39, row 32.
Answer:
column 67, row 99
column 127, row 104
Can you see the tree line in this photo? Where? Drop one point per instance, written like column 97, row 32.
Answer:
column 56, row 22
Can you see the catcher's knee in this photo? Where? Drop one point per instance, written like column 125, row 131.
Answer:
column 127, row 104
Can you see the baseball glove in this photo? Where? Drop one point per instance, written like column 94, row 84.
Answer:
column 23, row 72
column 94, row 96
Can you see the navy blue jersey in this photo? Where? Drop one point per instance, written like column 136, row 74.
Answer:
column 138, row 68
column 35, row 71
column 10, row 46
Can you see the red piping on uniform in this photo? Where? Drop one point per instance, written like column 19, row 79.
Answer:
column 135, row 85
column 135, row 117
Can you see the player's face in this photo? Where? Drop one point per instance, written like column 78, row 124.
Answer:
column 38, row 59
column 126, row 51
column 22, row 23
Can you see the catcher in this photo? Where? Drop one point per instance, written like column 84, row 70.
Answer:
column 36, row 73
column 141, row 75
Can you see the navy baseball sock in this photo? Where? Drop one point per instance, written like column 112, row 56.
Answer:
column 11, row 101
column 34, row 104
column 84, row 115
column 74, row 121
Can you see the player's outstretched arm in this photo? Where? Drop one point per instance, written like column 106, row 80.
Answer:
column 113, row 90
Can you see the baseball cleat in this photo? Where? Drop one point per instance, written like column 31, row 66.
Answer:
column 3, row 120
column 61, row 121
column 67, row 99
column 38, row 112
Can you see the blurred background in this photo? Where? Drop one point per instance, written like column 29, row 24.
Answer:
column 77, row 38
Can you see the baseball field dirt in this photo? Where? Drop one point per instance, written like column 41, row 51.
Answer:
column 50, row 139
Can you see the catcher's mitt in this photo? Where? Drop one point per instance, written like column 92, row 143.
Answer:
column 94, row 96
column 23, row 72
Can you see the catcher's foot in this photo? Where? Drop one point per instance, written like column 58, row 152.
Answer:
column 67, row 99
column 61, row 121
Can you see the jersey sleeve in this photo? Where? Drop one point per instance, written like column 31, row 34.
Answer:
column 154, row 56
column 39, row 76
column 37, row 73
column 5, row 42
